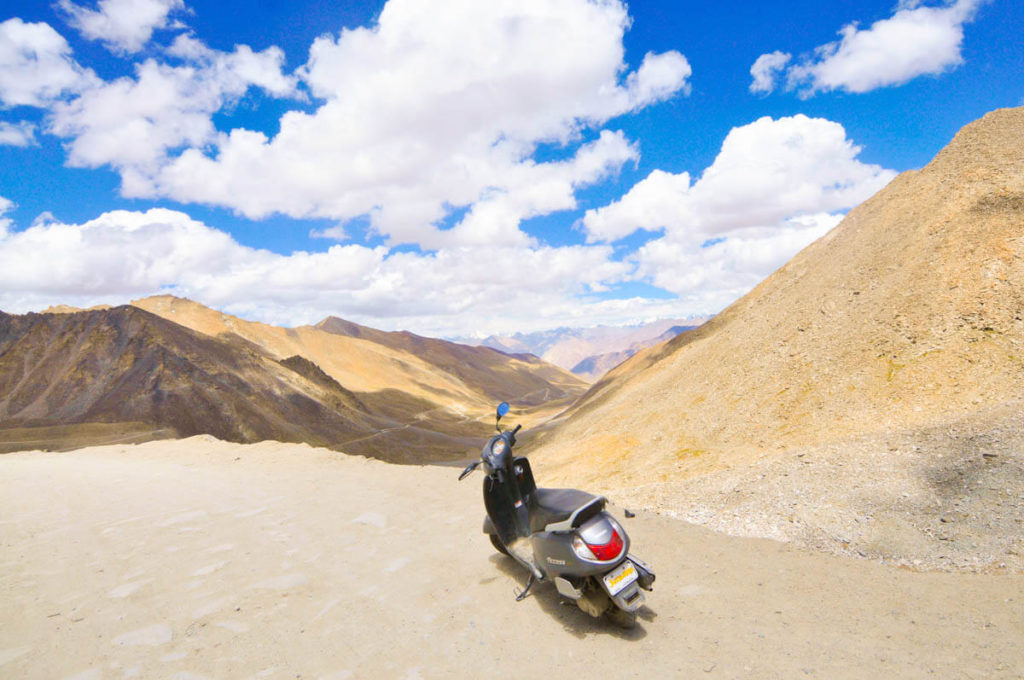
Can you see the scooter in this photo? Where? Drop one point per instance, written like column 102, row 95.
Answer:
column 561, row 535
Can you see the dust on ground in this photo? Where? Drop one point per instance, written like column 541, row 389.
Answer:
column 197, row 558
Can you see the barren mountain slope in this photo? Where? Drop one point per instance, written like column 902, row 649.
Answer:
column 126, row 374
column 907, row 315
column 525, row 378
column 388, row 367
column 127, row 366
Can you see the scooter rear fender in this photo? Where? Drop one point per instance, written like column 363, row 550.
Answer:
column 555, row 555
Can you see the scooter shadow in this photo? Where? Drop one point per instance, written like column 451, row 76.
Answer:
column 575, row 621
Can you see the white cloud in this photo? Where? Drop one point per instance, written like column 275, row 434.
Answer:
column 335, row 233
column 531, row 189
column 17, row 134
column 766, row 70
column 133, row 123
column 438, row 107
column 711, row 277
column 238, row 70
column 775, row 186
column 123, row 254
column 122, row 25
column 36, row 65
column 766, row 171
column 6, row 205
column 916, row 40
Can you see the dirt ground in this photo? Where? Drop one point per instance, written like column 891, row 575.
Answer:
column 201, row 559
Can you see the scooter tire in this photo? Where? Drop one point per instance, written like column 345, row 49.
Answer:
column 498, row 545
column 621, row 618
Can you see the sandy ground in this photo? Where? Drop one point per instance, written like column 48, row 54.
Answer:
column 200, row 559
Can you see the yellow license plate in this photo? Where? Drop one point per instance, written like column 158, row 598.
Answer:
column 620, row 577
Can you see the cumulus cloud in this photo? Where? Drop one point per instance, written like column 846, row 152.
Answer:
column 125, row 254
column 17, row 134
column 916, row 40
column 440, row 106
column 775, row 186
column 766, row 70
column 712, row 275
column 122, row 25
column 6, row 205
column 132, row 123
column 766, row 171
column 437, row 108
column 36, row 66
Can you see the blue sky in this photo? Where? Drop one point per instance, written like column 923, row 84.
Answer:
column 458, row 167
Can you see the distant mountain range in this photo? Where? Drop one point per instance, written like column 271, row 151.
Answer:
column 166, row 367
column 589, row 352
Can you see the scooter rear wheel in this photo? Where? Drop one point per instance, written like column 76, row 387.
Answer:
column 498, row 545
column 620, row 617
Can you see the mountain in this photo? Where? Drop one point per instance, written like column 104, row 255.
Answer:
column 171, row 367
column 522, row 378
column 124, row 365
column 571, row 347
column 593, row 367
column 889, row 354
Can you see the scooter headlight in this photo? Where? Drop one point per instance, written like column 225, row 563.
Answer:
column 498, row 447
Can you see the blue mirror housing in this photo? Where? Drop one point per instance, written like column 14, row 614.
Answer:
column 503, row 408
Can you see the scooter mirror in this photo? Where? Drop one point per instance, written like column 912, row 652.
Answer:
column 503, row 409
column 469, row 468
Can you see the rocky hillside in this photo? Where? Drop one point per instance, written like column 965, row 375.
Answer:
column 905, row 322
column 529, row 380
column 125, row 365
column 128, row 374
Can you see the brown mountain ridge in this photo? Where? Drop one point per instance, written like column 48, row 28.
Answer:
column 129, row 374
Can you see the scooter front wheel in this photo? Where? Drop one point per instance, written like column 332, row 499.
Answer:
column 498, row 545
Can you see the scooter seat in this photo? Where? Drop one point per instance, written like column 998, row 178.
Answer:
column 556, row 505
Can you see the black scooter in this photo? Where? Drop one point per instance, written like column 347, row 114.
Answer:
column 564, row 535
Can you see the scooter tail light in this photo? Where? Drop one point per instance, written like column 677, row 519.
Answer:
column 581, row 549
column 608, row 551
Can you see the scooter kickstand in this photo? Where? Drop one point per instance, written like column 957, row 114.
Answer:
column 529, row 584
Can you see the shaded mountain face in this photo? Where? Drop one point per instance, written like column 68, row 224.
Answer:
column 128, row 374
column 125, row 365
column 906, row 315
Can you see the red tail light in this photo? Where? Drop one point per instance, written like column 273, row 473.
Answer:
column 607, row 551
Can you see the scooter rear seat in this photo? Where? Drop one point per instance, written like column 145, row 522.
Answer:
column 558, row 505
